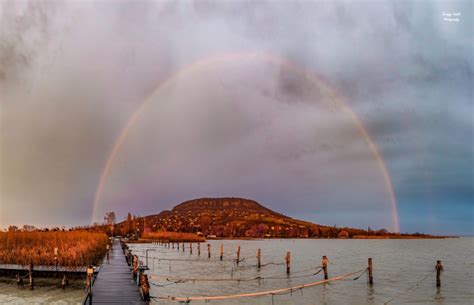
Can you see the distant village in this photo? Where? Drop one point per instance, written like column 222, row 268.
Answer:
column 225, row 218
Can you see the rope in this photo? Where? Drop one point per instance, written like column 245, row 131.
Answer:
column 258, row 278
column 178, row 280
column 410, row 289
column 261, row 293
column 190, row 260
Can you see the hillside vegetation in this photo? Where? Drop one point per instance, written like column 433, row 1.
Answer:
column 230, row 217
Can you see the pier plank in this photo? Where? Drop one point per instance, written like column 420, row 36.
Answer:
column 114, row 284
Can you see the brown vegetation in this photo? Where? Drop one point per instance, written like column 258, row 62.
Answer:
column 173, row 236
column 230, row 217
column 75, row 248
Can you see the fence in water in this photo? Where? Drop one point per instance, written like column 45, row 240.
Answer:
column 235, row 262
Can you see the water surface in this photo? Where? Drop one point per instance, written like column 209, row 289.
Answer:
column 399, row 265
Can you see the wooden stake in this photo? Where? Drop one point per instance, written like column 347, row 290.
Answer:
column 369, row 269
column 30, row 275
column 178, row 246
column 209, row 250
column 19, row 279
column 238, row 255
column 199, row 249
column 221, row 252
column 191, row 248
column 183, row 246
column 172, row 246
column 288, row 262
column 439, row 269
column 324, row 264
column 259, row 253
column 64, row 281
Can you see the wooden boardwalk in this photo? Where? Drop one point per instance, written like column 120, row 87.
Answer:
column 114, row 283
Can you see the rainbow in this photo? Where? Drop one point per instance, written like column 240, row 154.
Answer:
column 272, row 58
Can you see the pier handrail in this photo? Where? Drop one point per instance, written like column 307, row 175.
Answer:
column 88, row 297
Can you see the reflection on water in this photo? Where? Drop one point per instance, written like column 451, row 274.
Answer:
column 398, row 266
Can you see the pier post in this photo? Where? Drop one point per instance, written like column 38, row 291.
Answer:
column 259, row 254
column 178, row 245
column 288, row 262
column 172, row 245
column 135, row 268
column 90, row 275
column 324, row 264
column 19, row 279
column 370, row 269
column 64, row 281
column 208, row 250
column 237, row 260
column 30, row 275
column 199, row 249
column 183, row 246
column 190, row 248
column 145, row 287
column 439, row 269
column 221, row 251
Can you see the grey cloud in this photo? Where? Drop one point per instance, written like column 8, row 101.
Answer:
column 74, row 72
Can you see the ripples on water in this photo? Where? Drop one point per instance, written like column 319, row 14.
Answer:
column 43, row 293
column 398, row 265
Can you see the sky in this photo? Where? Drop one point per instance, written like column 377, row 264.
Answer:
column 285, row 106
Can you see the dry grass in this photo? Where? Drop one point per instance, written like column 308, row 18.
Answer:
column 76, row 248
column 173, row 236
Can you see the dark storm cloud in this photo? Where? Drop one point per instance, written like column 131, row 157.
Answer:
column 71, row 73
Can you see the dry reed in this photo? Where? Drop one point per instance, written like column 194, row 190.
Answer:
column 75, row 248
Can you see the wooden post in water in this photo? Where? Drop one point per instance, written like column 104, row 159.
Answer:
column 30, row 275
column 19, row 279
column 237, row 260
column 221, row 252
column 324, row 264
column 259, row 254
column 145, row 287
column 135, row 268
column 64, row 281
column 172, row 245
column 288, row 262
column 190, row 248
column 183, row 246
column 208, row 250
column 439, row 269
column 89, row 279
column 199, row 249
column 178, row 246
column 369, row 269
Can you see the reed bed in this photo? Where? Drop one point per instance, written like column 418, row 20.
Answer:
column 75, row 248
column 173, row 236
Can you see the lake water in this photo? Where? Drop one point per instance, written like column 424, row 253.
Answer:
column 44, row 293
column 399, row 265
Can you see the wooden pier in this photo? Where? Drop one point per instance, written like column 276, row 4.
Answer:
column 114, row 283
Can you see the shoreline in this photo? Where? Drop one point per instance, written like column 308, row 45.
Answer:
column 299, row 238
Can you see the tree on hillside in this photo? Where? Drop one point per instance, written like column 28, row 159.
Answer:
column 128, row 225
column 109, row 218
